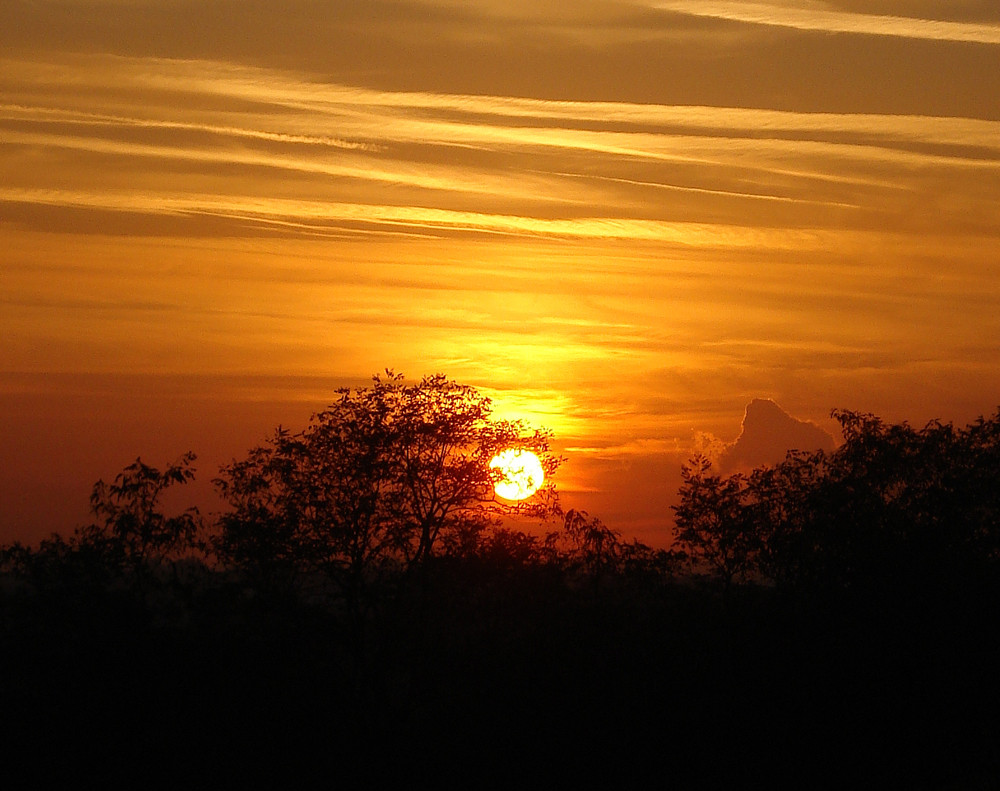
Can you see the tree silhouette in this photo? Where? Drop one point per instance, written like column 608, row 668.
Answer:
column 132, row 541
column 594, row 549
column 131, row 519
column 893, row 506
column 714, row 524
column 382, row 480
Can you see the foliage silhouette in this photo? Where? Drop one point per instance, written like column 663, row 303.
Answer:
column 712, row 522
column 891, row 505
column 378, row 483
column 131, row 522
column 131, row 543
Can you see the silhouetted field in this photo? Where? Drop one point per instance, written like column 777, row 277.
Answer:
column 484, row 664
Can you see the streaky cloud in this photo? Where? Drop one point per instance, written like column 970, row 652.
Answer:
column 77, row 117
column 268, row 209
column 369, row 108
column 830, row 21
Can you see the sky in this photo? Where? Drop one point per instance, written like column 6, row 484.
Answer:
column 623, row 220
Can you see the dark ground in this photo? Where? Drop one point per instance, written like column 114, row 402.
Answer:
column 514, row 675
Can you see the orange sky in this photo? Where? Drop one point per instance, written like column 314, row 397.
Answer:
column 622, row 220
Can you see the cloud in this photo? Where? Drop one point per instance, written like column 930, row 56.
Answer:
column 830, row 21
column 638, row 447
column 247, row 150
column 768, row 434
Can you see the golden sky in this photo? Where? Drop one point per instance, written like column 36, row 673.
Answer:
column 622, row 220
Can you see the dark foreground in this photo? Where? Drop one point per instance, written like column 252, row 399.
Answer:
column 478, row 671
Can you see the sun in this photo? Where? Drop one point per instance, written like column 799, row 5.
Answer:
column 522, row 474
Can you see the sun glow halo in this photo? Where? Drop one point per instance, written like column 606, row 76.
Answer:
column 522, row 474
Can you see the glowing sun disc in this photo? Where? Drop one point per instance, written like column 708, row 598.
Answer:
column 522, row 474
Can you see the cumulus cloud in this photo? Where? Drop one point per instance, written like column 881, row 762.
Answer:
column 768, row 434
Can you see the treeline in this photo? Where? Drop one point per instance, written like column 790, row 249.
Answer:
column 365, row 598
column 387, row 483
column 894, row 507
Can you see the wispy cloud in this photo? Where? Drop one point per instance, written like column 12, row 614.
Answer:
column 813, row 17
column 308, row 100
column 267, row 210
column 329, row 159
column 13, row 112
